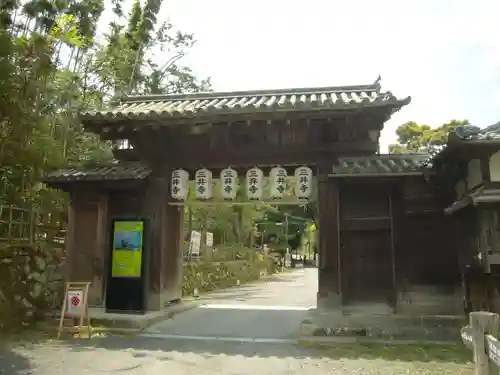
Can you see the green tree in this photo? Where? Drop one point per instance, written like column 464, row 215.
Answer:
column 413, row 137
column 52, row 67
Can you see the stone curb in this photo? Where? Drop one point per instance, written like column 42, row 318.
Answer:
column 135, row 324
column 365, row 340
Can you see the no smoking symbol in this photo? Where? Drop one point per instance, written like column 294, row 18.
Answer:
column 75, row 301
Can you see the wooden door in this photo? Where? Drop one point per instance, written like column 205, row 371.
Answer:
column 367, row 272
column 85, row 241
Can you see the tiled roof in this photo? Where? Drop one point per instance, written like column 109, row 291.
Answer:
column 112, row 172
column 377, row 165
column 467, row 135
column 348, row 166
column 481, row 195
column 248, row 102
column 474, row 133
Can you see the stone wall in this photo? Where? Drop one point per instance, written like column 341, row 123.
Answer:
column 31, row 280
column 30, row 284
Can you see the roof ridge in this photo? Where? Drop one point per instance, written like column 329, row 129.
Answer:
column 387, row 156
column 110, row 164
column 266, row 92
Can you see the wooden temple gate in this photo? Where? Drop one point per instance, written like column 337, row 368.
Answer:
column 374, row 211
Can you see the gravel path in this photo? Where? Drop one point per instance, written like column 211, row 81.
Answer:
column 209, row 340
column 134, row 356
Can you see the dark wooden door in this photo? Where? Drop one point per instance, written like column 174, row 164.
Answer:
column 367, row 273
column 85, row 241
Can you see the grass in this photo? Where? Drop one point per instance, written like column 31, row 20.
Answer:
column 410, row 353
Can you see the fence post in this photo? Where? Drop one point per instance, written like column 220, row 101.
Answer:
column 483, row 323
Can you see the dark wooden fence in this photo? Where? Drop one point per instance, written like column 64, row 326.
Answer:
column 480, row 335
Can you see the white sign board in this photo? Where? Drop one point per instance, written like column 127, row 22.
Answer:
column 75, row 302
column 210, row 239
column 194, row 243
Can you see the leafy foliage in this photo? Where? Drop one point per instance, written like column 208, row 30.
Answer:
column 207, row 276
column 413, row 137
column 54, row 64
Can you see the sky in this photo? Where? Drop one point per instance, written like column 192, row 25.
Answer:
column 445, row 54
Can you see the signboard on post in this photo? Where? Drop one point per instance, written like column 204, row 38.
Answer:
column 127, row 248
column 194, row 243
column 75, row 302
column 210, row 239
column 75, row 305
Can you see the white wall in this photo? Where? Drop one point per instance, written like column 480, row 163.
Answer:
column 495, row 167
column 474, row 175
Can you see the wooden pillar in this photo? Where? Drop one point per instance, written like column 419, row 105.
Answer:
column 394, row 297
column 70, row 239
column 329, row 277
column 154, row 212
column 97, row 291
column 164, row 242
column 174, row 228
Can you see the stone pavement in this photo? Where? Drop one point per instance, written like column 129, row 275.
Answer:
column 266, row 310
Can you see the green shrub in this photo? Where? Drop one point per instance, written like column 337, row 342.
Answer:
column 208, row 276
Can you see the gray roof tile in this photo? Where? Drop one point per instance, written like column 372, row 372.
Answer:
column 481, row 195
column 112, row 172
column 248, row 102
column 376, row 165
column 474, row 133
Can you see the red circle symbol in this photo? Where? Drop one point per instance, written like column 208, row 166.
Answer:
column 75, row 301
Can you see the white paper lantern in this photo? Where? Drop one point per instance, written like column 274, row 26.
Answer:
column 203, row 184
column 255, row 182
column 180, row 184
column 228, row 183
column 303, row 182
column 278, row 176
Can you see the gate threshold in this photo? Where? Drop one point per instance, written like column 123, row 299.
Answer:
column 254, row 307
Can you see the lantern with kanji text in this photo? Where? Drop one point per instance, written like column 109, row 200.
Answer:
column 229, row 183
column 303, row 182
column 179, row 187
column 278, row 180
column 255, row 182
column 203, row 184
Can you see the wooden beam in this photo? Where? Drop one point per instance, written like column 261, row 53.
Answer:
column 99, row 126
column 192, row 158
column 242, row 170
column 218, row 202
column 110, row 130
column 97, row 185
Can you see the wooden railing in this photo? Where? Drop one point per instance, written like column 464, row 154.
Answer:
column 21, row 226
column 481, row 337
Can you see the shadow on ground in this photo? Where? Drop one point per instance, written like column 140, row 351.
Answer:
column 12, row 363
column 142, row 346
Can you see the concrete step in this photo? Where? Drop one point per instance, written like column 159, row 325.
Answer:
column 127, row 322
column 419, row 327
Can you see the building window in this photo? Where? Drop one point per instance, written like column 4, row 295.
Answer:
column 123, row 144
